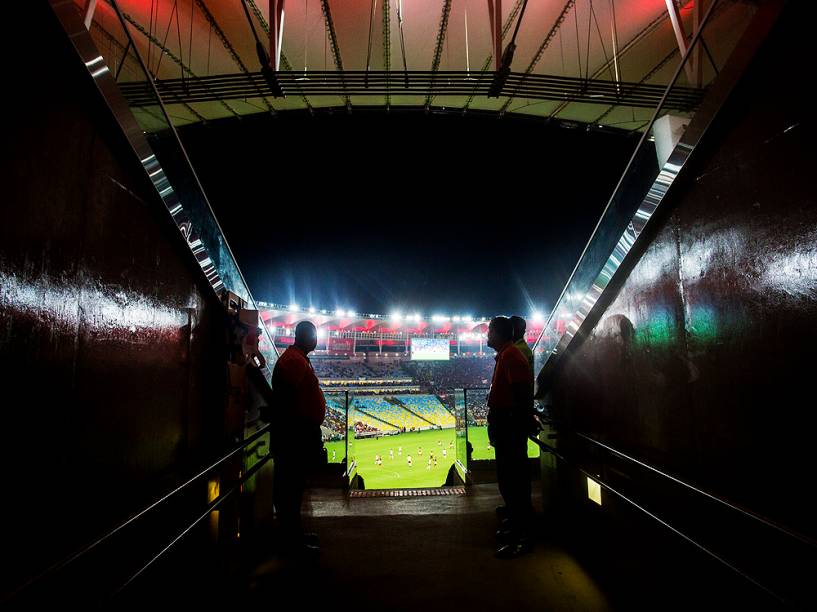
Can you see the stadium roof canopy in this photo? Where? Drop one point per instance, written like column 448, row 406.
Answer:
column 599, row 62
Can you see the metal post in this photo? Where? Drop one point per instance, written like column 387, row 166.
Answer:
column 680, row 35
column 697, row 57
column 276, row 32
column 90, row 7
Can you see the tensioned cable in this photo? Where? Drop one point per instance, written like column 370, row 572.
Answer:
column 601, row 40
column 578, row 46
column 402, row 38
column 179, row 34
column 372, row 10
column 152, row 39
column 167, row 35
column 587, row 53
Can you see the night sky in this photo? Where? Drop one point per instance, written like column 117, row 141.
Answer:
column 422, row 213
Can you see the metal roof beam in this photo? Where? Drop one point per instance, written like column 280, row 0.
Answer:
column 333, row 43
column 442, row 30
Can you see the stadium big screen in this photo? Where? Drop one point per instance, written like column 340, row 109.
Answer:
column 429, row 349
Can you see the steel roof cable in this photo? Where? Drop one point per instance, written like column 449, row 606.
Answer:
column 167, row 34
column 372, row 11
column 387, row 50
column 402, row 39
column 587, row 54
column 306, row 38
column 181, row 49
column 150, row 33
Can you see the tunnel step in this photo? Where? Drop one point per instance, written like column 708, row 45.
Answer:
column 437, row 491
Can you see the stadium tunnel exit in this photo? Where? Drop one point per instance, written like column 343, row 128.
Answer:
column 674, row 463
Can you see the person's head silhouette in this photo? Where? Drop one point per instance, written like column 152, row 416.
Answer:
column 306, row 336
column 500, row 331
column 519, row 327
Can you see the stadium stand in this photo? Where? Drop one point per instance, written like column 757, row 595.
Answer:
column 359, row 414
column 395, row 415
column 380, row 408
column 442, row 376
column 427, row 407
column 334, row 426
column 339, row 368
column 387, row 370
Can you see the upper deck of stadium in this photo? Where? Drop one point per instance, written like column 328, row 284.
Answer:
column 347, row 332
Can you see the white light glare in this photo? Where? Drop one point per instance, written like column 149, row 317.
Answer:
column 350, row 314
column 396, row 316
column 312, row 309
column 457, row 319
column 294, row 307
column 538, row 317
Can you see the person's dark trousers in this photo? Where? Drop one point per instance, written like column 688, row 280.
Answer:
column 295, row 450
column 513, row 474
column 288, row 492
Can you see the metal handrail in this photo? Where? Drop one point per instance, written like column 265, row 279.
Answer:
column 746, row 512
column 548, row 448
column 89, row 547
column 210, row 507
column 732, row 506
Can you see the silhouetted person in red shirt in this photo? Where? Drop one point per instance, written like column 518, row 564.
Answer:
column 509, row 422
column 299, row 409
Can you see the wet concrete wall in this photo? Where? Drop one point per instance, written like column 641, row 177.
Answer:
column 111, row 340
column 703, row 365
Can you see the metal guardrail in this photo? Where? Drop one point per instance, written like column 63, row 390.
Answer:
column 548, row 448
column 212, row 506
column 75, row 556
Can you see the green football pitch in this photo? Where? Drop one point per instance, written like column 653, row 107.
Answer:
column 394, row 472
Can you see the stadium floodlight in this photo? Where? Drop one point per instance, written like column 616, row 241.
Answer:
column 294, row 307
column 396, row 316
column 312, row 310
column 339, row 313
column 417, row 317
column 456, row 319
column 350, row 314
column 538, row 317
column 468, row 319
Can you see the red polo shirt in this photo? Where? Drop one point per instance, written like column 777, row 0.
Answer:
column 511, row 369
column 296, row 387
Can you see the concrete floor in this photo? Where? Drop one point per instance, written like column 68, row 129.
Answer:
column 419, row 554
